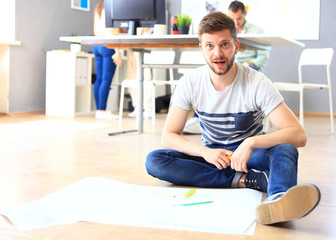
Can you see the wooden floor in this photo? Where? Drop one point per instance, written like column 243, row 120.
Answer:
column 40, row 155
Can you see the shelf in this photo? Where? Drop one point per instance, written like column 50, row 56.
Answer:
column 68, row 84
column 10, row 42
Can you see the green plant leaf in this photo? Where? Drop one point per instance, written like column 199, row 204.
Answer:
column 183, row 20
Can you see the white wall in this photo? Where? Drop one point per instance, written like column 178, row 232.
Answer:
column 39, row 24
column 266, row 14
column 7, row 19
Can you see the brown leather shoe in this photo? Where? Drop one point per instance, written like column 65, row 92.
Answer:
column 296, row 203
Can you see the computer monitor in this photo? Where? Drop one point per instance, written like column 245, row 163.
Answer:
column 135, row 13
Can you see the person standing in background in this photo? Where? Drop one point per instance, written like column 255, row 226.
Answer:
column 254, row 58
column 106, row 62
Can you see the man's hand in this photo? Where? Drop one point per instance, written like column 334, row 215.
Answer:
column 217, row 157
column 241, row 156
column 251, row 64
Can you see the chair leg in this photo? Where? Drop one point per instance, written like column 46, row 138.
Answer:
column 121, row 105
column 153, row 105
column 331, row 111
column 301, row 108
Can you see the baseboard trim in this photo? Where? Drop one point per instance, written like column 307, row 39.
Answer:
column 24, row 113
column 318, row 114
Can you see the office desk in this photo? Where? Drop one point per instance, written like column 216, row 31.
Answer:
column 177, row 41
column 145, row 43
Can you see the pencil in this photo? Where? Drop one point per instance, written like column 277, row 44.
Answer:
column 195, row 203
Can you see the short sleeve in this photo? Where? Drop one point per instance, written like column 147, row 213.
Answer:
column 268, row 96
column 182, row 94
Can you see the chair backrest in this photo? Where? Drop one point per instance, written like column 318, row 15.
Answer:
column 192, row 57
column 316, row 56
column 159, row 57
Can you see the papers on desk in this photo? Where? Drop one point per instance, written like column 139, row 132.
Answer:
column 108, row 201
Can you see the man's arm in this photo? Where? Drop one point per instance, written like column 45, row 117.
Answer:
column 172, row 139
column 171, row 133
column 289, row 131
column 262, row 58
column 262, row 55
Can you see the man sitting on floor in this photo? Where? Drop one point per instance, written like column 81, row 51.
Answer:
column 231, row 100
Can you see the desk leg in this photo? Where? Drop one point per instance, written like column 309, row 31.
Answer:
column 140, row 91
column 140, row 96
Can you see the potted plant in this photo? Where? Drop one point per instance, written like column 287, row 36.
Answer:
column 183, row 23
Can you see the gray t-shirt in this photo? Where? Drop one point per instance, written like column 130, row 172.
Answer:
column 231, row 115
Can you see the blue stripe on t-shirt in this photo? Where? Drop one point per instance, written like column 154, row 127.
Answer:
column 221, row 128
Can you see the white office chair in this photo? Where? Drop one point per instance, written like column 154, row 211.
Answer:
column 318, row 56
column 129, row 83
column 157, row 60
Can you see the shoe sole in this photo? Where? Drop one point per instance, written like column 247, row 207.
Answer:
column 297, row 202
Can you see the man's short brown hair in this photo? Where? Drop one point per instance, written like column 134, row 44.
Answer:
column 215, row 22
column 235, row 6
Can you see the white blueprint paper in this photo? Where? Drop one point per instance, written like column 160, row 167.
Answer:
column 104, row 200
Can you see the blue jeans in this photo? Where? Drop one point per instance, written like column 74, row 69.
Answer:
column 182, row 169
column 105, row 68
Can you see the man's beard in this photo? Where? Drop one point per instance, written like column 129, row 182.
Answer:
column 229, row 65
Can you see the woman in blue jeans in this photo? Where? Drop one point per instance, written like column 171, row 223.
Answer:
column 105, row 68
column 231, row 101
column 106, row 62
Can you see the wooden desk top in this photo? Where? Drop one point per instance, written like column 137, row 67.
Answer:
column 176, row 41
column 142, row 41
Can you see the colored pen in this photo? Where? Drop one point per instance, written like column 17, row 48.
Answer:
column 229, row 157
column 189, row 193
column 195, row 203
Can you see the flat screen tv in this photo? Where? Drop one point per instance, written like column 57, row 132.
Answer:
column 135, row 13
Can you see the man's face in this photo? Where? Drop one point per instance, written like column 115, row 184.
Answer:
column 219, row 50
column 238, row 17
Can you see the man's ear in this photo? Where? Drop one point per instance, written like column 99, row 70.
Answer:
column 200, row 45
column 237, row 46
